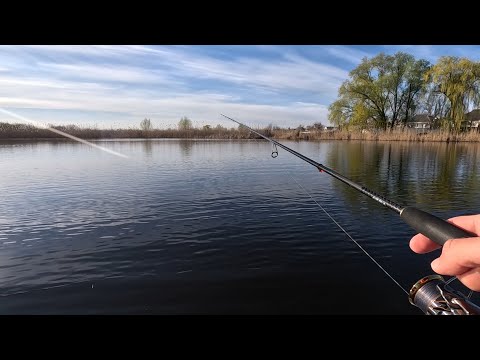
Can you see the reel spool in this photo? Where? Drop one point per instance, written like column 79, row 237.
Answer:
column 435, row 297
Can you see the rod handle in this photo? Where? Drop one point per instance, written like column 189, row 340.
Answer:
column 436, row 229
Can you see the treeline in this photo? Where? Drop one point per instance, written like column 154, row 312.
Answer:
column 387, row 91
column 25, row 131
column 184, row 130
column 146, row 130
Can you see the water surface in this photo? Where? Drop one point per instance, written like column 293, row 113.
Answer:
column 218, row 227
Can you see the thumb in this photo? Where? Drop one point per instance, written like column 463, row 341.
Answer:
column 458, row 256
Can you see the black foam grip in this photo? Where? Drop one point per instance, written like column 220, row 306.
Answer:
column 436, row 229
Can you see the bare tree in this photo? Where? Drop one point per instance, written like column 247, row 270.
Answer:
column 146, row 125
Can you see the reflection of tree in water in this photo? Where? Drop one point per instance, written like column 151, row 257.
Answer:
column 361, row 162
column 147, row 147
column 451, row 174
column 186, row 147
column 468, row 165
column 444, row 176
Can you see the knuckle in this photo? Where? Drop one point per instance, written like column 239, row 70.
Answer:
column 448, row 247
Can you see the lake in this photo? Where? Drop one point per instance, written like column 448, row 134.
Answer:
column 218, row 227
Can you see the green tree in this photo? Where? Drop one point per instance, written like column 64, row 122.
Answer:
column 458, row 79
column 407, row 87
column 361, row 114
column 368, row 85
column 384, row 89
column 341, row 110
column 185, row 124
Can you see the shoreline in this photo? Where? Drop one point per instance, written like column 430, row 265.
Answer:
column 451, row 139
column 21, row 132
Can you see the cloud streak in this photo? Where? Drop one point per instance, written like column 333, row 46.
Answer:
column 120, row 85
column 351, row 55
column 132, row 82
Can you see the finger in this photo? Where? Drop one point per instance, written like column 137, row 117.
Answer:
column 458, row 256
column 471, row 279
column 421, row 244
column 468, row 222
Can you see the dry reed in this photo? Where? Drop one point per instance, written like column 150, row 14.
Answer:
column 24, row 131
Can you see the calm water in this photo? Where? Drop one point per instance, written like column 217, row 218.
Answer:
column 218, row 227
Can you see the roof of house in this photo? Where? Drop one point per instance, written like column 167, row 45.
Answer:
column 473, row 115
column 421, row 118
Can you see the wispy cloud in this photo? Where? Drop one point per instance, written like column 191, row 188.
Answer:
column 433, row 52
column 50, row 83
column 351, row 55
column 120, row 85
column 426, row 52
column 107, row 73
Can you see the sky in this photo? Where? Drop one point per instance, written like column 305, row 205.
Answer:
column 119, row 86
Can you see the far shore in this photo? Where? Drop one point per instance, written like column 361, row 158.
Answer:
column 28, row 132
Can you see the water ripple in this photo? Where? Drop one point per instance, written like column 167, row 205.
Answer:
column 70, row 215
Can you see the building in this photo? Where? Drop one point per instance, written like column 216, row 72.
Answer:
column 423, row 122
column 330, row 128
column 472, row 120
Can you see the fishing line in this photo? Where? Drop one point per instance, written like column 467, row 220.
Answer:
column 431, row 293
column 339, row 226
column 351, row 238
column 38, row 124
column 433, row 227
column 452, row 279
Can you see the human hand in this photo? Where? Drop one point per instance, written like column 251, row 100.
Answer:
column 460, row 257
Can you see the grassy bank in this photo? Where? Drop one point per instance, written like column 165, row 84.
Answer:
column 394, row 135
column 23, row 131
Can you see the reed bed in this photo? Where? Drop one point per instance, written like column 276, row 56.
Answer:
column 25, row 131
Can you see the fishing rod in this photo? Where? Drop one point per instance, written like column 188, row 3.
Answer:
column 431, row 294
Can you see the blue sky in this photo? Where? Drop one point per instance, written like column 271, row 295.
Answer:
column 118, row 86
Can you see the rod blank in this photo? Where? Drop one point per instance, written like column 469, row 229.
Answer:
column 436, row 229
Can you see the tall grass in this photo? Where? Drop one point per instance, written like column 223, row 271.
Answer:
column 389, row 135
column 24, row 131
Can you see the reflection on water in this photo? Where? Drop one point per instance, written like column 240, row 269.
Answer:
column 147, row 147
column 217, row 226
column 186, row 147
column 437, row 175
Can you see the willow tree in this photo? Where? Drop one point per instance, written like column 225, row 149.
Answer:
column 340, row 111
column 458, row 79
column 384, row 89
